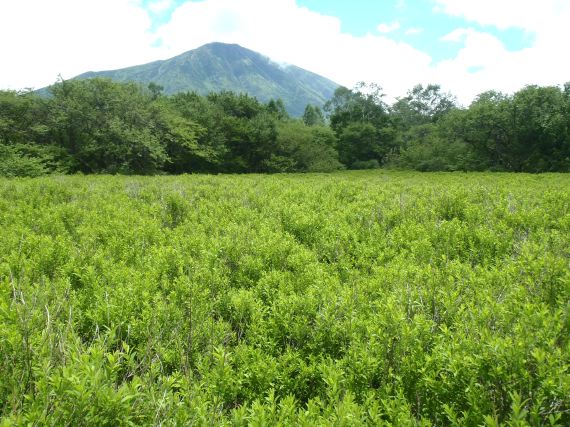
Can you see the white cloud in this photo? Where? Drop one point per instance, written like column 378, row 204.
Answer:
column 456, row 35
column 160, row 6
column 530, row 15
column 414, row 31
column 288, row 33
column 74, row 36
column 542, row 63
column 41, row 39
column 479, row 49
column 477, row 67
column 388, row 28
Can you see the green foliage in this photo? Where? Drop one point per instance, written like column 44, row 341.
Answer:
column 277, row 108
column 364, row 104
column 107, row 127
column 100, row 126
column 425, row 130
column 302, row 148
column 528, row 131
column 358, row 142
column 155, row 90
column 362, row 123
column 33, row 160
column 13, row 163
column 211, row 149
column 425, row 149
column 365, row 164
column 422, row 106
column 23, row 118
column 313, row 116
column 356, row 298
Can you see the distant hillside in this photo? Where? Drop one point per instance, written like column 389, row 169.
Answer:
column 219, row 66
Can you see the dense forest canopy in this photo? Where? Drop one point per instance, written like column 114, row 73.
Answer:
column 101, row 126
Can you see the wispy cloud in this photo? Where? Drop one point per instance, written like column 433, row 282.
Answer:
column 414, row 31
column 456, row 35
column 388, row 28
column 160, row 6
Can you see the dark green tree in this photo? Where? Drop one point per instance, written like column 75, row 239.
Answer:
column 527, row 131
column 540, row 125
column 248, row 128
column 277, row 109
column 359, row 144
column 313, row 116
column 25, row 143
column 422, row 105
column 211, row 149
column 362, row 124
column 302, row 148
column 155, row 90
column 364, row 104
column 107, row 126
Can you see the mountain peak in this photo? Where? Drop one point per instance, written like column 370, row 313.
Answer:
column 222, row 45
column 218, row 66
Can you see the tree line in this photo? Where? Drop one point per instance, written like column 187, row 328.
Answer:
column 101, row 126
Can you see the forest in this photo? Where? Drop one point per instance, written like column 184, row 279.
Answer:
column 100, row 126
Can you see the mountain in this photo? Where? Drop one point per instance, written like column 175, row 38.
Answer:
column 217, row 66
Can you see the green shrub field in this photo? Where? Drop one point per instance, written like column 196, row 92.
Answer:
column 351, row 298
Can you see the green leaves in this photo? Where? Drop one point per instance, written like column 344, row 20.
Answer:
column 354, row 298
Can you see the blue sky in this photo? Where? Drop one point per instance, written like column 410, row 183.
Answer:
column 419, row 24
column 467, row 46
column 363, row 16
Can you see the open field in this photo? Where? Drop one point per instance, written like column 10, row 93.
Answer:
column 344, row 299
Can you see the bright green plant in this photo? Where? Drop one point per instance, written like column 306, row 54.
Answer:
column 353, row 298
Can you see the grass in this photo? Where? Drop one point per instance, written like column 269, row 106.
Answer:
column 354, row 298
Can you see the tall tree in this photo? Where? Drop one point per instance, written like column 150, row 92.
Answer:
column 277, row 108
column 423, row 105
column 363, row 104
column 156, row 90
column 313, row 116
column 302, row 148
column 362, row 124
column 540, row 128
column 107, row 126
column 527, row 131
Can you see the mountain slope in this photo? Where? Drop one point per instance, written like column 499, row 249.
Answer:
column 219, row 66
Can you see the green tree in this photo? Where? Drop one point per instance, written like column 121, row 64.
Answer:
column 540, row 130
column 485, row 126
column 359, row 142
column 302, row 148
column 27, row 148
column 362, row 124
column 248, row 129
column 156, row 90
column 107, row 126
column 277, row 108
column 527, row 131
column 236, row 105
column 364, row 104
column 426, row 149
column 211, row 150
column 313, row 116
column 23, row 118
column 423, row 105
